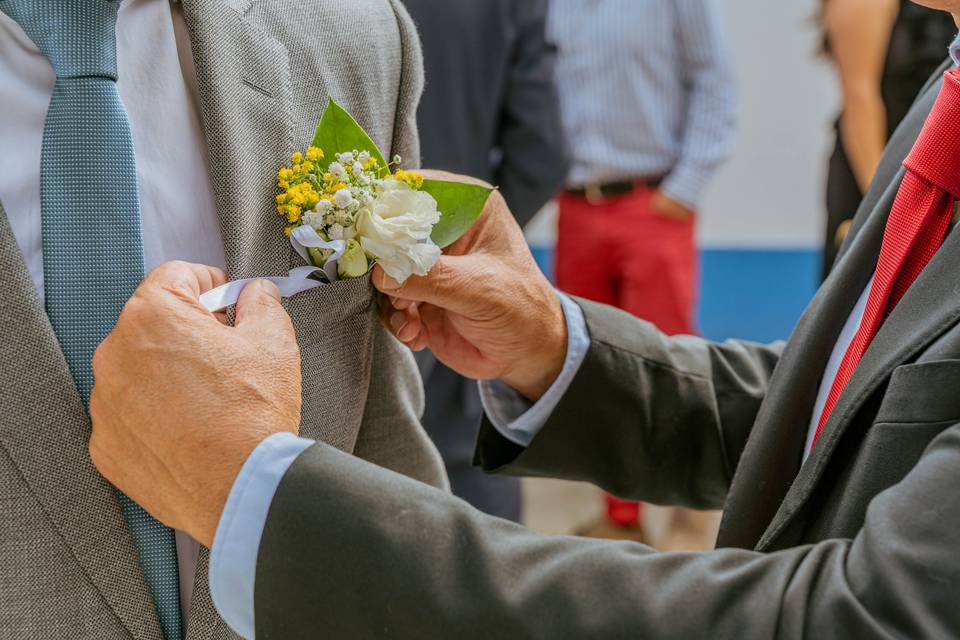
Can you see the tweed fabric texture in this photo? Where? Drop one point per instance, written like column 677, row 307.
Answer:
column 90, row 216
column 262, row 99
column 263, row 78
column 69, row 562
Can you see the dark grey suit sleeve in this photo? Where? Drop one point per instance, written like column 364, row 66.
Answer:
column 648, row 417
column 534, row 155
column 354, row 551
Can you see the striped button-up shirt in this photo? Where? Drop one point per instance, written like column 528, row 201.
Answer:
column 646, row 91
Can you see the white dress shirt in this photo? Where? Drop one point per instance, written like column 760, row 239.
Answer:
column 849, row 331
column 646, row 90
column 157, row 86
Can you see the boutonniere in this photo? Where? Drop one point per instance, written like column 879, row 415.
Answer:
column 346, row 208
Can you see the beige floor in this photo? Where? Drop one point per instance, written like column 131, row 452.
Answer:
column 557, row 507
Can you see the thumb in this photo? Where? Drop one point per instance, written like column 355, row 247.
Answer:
column 452, row 284
column 259, row 306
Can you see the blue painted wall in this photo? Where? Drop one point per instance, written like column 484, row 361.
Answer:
column 754, row 294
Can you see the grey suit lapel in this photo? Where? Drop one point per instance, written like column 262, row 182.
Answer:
column 45, row 432
column 770, row 486
column 244, row 85
column 243, row 76
column 769, row 464
column 929, row 308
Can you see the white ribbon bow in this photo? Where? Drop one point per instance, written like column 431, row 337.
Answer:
column 297, row 281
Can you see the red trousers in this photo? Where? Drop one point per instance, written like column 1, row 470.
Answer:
column 623, row 253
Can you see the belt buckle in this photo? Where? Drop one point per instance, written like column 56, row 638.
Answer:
column 594, row 194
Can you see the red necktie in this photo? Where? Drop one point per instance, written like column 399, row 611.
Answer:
column 915, row 229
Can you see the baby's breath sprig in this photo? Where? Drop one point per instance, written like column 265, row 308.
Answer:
column 353, row 208
column 329, row 198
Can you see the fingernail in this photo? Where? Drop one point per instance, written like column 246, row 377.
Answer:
column 268, row 288
column 398, row 321
column 387, row 283
column 407, row 334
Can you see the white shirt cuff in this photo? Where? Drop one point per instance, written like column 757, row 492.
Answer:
column 233, row 559
column 513, row 415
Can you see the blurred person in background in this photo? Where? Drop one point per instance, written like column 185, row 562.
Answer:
column 489, row 110
column 648, row 104
column 884, row 52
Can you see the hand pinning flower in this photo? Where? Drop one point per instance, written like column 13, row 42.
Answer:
column 345, row 208
column 396, row 230
column 362, row 210
column 383, row 217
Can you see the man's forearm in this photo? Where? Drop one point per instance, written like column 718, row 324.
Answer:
column 515, row 417
column 432, row 567
column 689, row 401
column 233, row 561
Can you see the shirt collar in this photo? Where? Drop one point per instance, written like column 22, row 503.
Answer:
column 955, row 50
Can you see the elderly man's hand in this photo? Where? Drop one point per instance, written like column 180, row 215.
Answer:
column 485, row 310
column 181, row 399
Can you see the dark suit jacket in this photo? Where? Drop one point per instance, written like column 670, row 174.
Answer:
column 860, row 542
column 490, row 107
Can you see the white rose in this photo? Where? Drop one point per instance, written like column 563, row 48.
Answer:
column 396, row 229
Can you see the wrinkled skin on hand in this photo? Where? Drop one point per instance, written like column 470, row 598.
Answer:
column 181, row 399
column 485, row 310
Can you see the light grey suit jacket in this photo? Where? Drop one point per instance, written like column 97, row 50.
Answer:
column 265, row 68
column 861, row 541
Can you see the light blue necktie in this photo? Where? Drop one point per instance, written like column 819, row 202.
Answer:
column 90, row 212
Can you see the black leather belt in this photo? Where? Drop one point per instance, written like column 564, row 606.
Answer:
column 598, row 193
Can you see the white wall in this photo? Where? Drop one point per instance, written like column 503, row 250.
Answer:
column 770, row 193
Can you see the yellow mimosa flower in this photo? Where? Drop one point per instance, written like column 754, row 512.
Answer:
column 410, row 178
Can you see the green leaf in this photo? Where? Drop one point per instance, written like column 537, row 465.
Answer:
column 460, row 205
column 338, row 132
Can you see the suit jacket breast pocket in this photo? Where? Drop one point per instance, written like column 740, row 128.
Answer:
column 922, row 401
column 334, row 326
column 922, row 392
